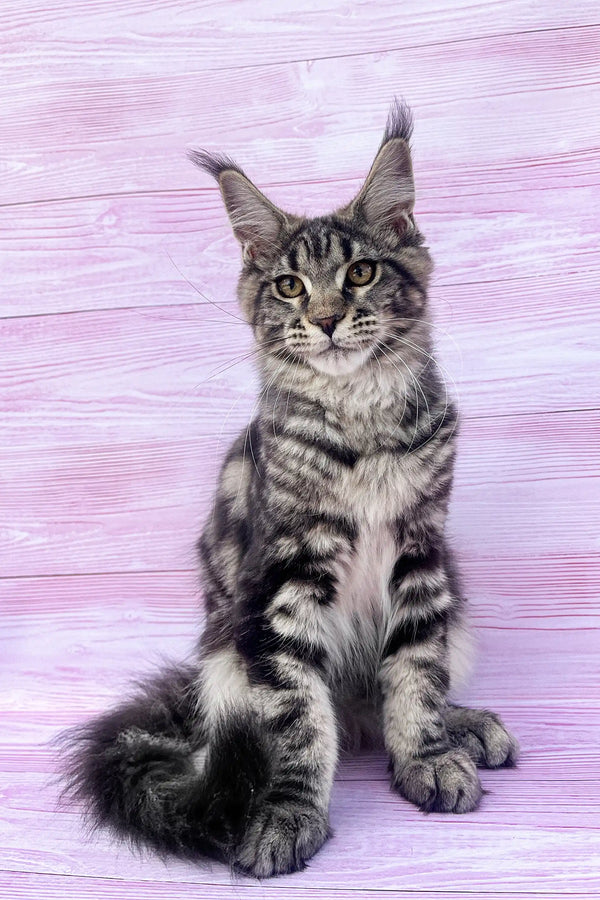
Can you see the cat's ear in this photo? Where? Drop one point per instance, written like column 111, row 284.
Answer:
column 388, row 195
column 257, row 223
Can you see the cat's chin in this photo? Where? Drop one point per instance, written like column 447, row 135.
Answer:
column 339, row 362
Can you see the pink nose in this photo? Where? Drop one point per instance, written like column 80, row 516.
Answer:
column 327, row 324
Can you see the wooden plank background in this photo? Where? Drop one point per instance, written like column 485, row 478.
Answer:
column 121, row 386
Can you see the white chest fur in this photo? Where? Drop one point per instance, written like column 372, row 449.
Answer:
column 359, row 617
column 363, row 579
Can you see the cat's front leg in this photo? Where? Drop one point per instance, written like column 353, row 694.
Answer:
column 280, row 636
column 414, row 679
column 291, row 821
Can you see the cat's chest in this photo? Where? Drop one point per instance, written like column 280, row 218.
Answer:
column 358, row 619
column 379, row 487
column 375, row 493
column 363, row 573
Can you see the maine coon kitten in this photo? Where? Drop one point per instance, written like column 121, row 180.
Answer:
column 330, row 589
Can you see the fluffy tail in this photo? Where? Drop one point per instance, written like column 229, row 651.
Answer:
column 142, row 771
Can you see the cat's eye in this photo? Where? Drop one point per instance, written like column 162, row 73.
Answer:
column 360, row 273
column 290, row 286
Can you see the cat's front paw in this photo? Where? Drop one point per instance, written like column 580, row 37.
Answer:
column 483, row 735
column 281, row 838
column 443, row 782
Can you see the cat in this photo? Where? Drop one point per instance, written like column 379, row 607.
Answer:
column 333, row 606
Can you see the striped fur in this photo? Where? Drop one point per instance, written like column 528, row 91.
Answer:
column 333, row 605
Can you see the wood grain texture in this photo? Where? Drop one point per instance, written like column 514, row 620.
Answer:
column 381, row 842
column 120, row 388
column 171, row 372
column 108, row 629
column 113, row 39
column 558, row 735
column 24, row 886
column 125, row 250
column 82, row 137
column 138, row 506
column 90, row 670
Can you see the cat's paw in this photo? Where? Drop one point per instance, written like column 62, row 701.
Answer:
column 482, row 735
column 442, row 782
column 282, row 837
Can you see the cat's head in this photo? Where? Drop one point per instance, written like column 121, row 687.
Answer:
column 331, row 292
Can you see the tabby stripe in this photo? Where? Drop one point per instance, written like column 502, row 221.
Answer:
column 433, row 739
column 423, row 596
column 265, row 670
column 295, row 519
column 346, row 247
column 263, row 289
column 221, row 518
column 303, row 566
column 286, row 483
column 411, row 632
column 259, row 643
column 296, row 709
column 409, row 563
column 405, row 274
column 340, row 524
column 340, row 454
column 317, row 245
column 317, row 465
column 341, row 225
column 315, row 406
column 304, row 245
column 214, row 575
column 437, row 675
column 436, row 429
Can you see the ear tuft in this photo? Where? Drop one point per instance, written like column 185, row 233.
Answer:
column 399, row 122
column 256, row 222
column 387, row 197
column 213, row 163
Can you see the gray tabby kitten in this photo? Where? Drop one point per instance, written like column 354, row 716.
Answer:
column 333, row 604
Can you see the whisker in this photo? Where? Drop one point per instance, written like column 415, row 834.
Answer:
column 259, row 352
column 198, row 291
column 441, row 369
column 261, row 394
column 383, row 346
column 444, row 331
column 411, row 372
column 295, row 372
column 264, row 391
column 220, row 321
column 444, row 372
column 281, row 386
column 404, row 384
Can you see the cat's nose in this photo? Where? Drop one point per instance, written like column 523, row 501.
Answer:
column 327, row 324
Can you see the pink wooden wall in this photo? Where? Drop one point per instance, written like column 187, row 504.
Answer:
column 120, row 387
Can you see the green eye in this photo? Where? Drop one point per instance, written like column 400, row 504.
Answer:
column 360, row 273
column 290, row 286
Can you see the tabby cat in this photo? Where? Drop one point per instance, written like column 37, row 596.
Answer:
column 334, row 611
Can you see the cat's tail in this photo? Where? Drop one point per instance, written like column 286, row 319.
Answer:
column 143, row 771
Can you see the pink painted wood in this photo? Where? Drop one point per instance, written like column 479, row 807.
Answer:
column 120, row 387
column 76, row 509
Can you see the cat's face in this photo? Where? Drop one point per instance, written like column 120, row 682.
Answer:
column 336, row 293
column 332, row 292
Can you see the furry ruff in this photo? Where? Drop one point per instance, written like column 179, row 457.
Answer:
column 142, row 771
